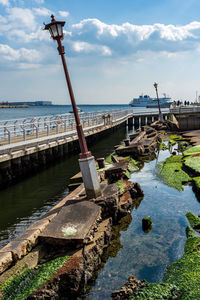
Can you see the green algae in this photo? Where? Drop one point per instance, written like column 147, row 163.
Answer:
column 171, row 173
column 133, row 165
column 193, row 220
column 19, row 287
column 192, row 150
column 172, row 142
column 174, row 159
column 157, row 291
column 108, row 159
column 189, row 232
column 174, row 137
column 163, row 146
column 196, row 181
column 192, row 244
column 193, row 163
column 127, row 174
column 121, row 186
column 185, row 273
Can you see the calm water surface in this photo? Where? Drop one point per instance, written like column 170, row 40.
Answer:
column 146, row 255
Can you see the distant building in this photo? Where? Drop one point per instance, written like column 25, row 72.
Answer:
column 29, row 103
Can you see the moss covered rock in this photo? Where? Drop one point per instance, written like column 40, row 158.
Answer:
column 157, row 291
column 189, row 232
column 171, row 173
column 196, row 181
column 146, row 224
column 193, row 220
column 19, row 287
column 192, row 244
column 193, row 163
column 185, row 274
column 192, row 150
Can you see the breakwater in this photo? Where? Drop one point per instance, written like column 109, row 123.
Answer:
column 31, row 145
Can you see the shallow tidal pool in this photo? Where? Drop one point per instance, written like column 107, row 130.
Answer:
column 146, row 255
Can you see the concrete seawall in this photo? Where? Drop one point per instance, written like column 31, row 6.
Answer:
column 21, row 163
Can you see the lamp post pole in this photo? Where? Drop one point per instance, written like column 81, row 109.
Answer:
column 160, row 113
column 82, row 142
column 86, row 161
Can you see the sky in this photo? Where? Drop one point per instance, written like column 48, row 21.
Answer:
column 115, row 50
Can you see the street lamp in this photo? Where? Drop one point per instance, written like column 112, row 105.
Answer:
column 160, row 113
column 86, row 161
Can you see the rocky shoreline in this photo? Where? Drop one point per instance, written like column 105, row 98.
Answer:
column 34, row 269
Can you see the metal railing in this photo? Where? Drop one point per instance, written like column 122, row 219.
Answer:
column 181, row 109
column 21, row 134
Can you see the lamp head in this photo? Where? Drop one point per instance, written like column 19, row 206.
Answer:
column 155, row 85
column 55, row 28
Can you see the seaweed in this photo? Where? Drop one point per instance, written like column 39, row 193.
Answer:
column 196, row 181
column 189, row 232
column 163, row 146
column 172, row 142
column 157, row 291
column 172, row 174
column 19, row 287
column 193, row 163
column 193, row 220
column 185, row 273
column 174, row 159
column 108, row 159
column 192, row 150
column 121, row 186
column 174, row 137
column 127, row 174
column 192, row 244
column 132, row 166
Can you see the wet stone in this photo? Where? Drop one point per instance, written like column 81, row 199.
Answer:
column 73, row 224
column 18, row 248
column 5, row 261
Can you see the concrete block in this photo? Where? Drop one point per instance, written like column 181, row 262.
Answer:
column 90, row 177
column 31, row 236
column 18, row 248
column 40, row 224
column 5, row 261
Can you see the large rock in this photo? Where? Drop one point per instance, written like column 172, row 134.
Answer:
column 126, row 291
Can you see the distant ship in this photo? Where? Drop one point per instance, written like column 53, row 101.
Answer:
column 147, row 101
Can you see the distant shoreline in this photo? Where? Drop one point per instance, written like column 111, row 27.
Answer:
column 14, row 106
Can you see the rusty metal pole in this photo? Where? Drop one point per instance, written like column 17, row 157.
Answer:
column 160, row 113
column 82, row 142
column 86, row 161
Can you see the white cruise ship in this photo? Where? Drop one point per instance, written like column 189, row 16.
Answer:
column 147, row 101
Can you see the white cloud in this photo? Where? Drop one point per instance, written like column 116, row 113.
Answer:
column 64, row 14
column 128, row 38
column 5, row 2
column 42, row 11
column 22, row 54
column 22, row 36
column 39, row 1
column 89, row 48
column 21, row 17
column 3, row 20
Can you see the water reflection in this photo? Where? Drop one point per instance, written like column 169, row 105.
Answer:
column 147, row 255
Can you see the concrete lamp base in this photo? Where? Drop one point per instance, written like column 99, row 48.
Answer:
column 90, row 177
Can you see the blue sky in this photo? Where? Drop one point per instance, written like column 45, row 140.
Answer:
column 115, row 50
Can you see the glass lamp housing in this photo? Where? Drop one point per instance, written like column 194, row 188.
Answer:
column 55, row 28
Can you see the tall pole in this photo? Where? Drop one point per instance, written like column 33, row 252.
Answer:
column 86, row 161
column 160, row 113
column 82, row 142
